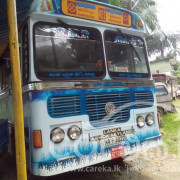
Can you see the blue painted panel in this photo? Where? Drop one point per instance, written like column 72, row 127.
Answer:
column 66, row 103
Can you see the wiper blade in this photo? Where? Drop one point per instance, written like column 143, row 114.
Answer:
column 64, row 25
column 131, row 45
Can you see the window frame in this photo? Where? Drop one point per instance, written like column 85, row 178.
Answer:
column 63, row 78
column 128, row 74
column 163, row 88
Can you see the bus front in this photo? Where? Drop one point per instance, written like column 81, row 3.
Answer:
column 91, row 95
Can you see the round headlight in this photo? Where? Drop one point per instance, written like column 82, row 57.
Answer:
column 140, row 121
column 57, row 135
column 149, row 120
column 74, row 132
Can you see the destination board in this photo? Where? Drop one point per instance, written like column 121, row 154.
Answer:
column 96, row 12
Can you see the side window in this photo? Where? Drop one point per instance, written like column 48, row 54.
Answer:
column 161, row 91
column 5, row 74
column 25, row 55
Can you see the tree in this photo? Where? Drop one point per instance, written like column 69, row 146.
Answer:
column 145, row 8
column 156, row 39
column 177, row 74
column 115, row 2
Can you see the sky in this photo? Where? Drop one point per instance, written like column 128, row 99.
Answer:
column 169, row 14
column 169, row 18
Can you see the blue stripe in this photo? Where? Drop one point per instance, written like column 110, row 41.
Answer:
column 86, row 5
column 113, row 11
column 54, row 5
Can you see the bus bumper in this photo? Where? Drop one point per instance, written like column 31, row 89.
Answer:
column 73, row 163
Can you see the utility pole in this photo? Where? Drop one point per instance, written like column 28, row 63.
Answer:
column 17, row 91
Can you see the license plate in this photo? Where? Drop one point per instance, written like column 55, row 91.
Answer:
column 117, row 152
column 111, row 141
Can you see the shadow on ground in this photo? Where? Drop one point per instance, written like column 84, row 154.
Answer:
column 115, row 169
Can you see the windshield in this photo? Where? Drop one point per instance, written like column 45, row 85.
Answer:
column 161, row 90
column 64, row 52
column 125, row 55
column 159, row 79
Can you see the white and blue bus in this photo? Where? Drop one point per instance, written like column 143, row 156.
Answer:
column 88, row 93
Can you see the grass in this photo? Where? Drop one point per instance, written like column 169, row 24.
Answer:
column 177, row 102
column 170, row 128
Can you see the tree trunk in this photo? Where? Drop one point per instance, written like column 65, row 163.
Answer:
column 129, row 5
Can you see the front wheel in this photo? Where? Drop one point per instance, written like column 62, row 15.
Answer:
column 160, row 110
column 175, row 97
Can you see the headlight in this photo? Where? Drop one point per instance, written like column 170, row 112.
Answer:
column 140, row 121
column 149, row 120
column 74, row 132
column 57, row 135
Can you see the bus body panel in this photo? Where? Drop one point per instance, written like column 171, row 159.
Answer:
column 57, row 158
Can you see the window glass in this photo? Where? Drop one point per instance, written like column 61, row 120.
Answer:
column 5, row 73
column 161, row 91
column 125, row 55
column 160, row 79
column 66, row 52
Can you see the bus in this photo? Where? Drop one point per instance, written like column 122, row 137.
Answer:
column 88, row 93
column 170, row 81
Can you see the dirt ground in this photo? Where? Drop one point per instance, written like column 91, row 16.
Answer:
column 150, row 165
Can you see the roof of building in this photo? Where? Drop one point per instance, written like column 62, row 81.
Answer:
column 22, row 9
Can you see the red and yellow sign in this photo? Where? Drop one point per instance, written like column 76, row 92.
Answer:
column 96, row 12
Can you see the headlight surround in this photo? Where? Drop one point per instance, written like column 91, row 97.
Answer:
column 149, row 120
column 74, row 132
column 140, row 121
column 57, row 135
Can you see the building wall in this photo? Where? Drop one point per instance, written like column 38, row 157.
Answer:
column 161, row 65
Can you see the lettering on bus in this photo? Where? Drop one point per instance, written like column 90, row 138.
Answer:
column 116, row 132
column 130, row 75
column 75, row 74
column 96, row 12
column 107, row 84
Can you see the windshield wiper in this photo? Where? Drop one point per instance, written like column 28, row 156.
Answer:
column 131, row 45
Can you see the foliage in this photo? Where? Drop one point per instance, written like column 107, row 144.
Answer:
column 115, row 2
column 157, row 40
column 177, row 74
column 170, row 128
column 174, row 38
column 177, row 67
column 158, row 57
column 170, row 55
column 147, row 10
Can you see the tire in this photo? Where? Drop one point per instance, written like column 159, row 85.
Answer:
column 175, row 97
column 160, row 110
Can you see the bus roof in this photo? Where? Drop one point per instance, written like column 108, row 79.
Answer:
column 88, row 9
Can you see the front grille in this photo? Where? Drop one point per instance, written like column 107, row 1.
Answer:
column 95, row 107
column 143, row 99
column 64, row 106
column 4, row 135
